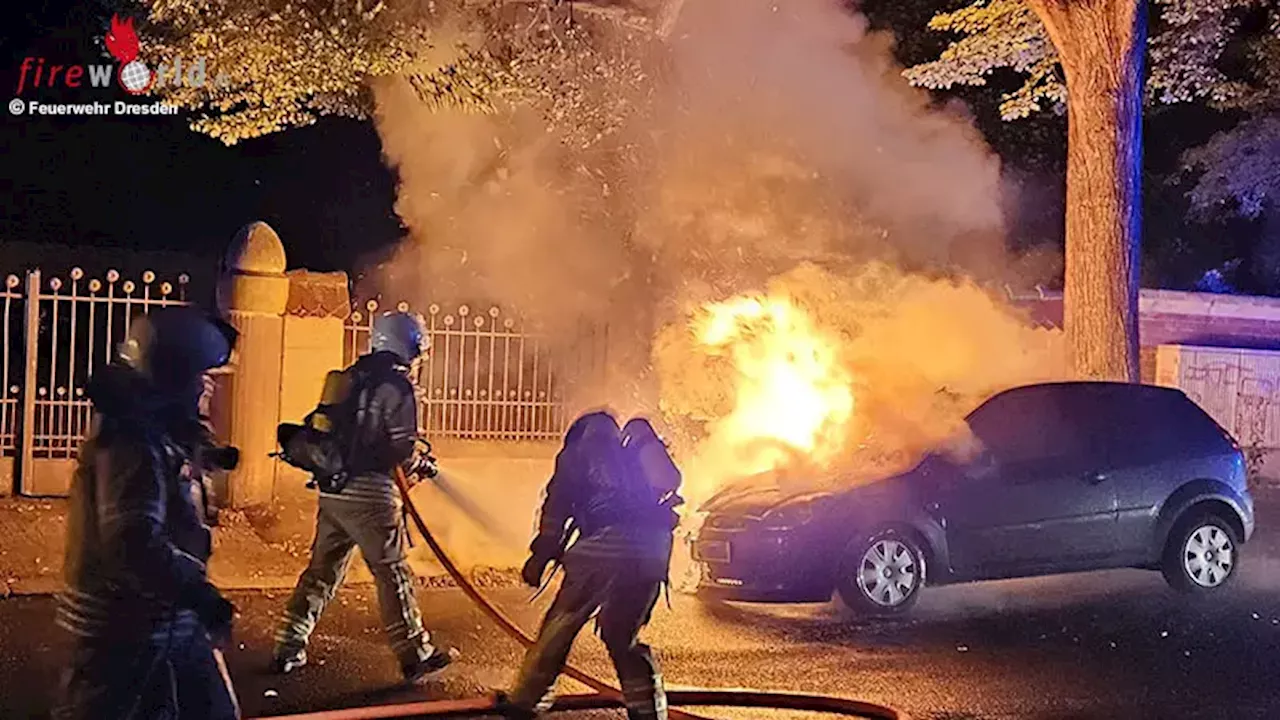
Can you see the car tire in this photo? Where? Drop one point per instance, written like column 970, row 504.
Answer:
column 1202, row 554
column 881, row 574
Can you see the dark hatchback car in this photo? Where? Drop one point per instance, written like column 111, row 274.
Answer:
column 1068, row 477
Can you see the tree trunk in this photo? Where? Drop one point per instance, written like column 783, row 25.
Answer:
column 1102, row 45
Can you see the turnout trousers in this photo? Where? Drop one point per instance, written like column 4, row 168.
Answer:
column 377, row 528
column 172, row 677
column 625, row 607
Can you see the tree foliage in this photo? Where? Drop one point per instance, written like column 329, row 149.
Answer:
column 1239, row 170
column 1186, row 51
column 285, row 63
column 280, row 63
column 580, row 64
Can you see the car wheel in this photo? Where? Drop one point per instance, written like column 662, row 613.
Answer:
column 1201, row 555
column 881, row 574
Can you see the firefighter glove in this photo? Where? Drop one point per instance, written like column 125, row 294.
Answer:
column 216, row 613
column 533, row 570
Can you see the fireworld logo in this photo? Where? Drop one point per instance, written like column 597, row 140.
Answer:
column 134, row 76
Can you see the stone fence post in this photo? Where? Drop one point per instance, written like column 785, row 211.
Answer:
column 254, row 295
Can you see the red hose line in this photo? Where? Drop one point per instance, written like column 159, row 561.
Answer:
column 722, row 698
column 494, row 613
column 607, row 696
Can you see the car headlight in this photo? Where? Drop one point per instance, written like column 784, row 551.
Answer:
column 791, row 515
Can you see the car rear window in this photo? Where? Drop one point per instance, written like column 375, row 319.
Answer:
column 1168, row 418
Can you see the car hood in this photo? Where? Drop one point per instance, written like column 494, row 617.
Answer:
column 754, row 500
column 750, row 500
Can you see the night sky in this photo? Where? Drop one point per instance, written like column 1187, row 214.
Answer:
column 106, row 184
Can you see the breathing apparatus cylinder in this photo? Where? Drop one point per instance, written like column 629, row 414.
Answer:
column 337, row 387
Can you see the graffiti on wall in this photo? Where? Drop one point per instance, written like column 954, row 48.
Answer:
column 1239, row 388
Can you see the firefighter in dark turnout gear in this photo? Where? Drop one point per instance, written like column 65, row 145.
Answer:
column 616, row 567
column 365, row 511
column 145, row 619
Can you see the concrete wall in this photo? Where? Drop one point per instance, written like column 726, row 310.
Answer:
column 312, row 347
column 1168, row 317
column 1239, row 388
column 254, row 406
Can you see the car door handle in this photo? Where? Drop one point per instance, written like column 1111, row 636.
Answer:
column 1095, row 478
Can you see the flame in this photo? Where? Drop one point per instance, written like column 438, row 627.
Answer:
column 793, row 393
column 121, row 41
column 833, row 378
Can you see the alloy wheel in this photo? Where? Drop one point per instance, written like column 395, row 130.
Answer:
column 1208, row 556
column 888, row 574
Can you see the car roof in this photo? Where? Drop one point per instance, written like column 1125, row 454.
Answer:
column 1094, row 386
column 1090, row 387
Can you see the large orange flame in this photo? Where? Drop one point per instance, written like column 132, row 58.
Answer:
column 831, row 379
column 794, row 394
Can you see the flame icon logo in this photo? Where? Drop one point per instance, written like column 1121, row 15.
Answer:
column 122, row 42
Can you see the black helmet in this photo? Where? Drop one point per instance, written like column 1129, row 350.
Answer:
column 174, row 346
column 593, row 425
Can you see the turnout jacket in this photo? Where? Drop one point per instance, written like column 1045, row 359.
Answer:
column 593, row 492
column 137, row 545
column 386, row 427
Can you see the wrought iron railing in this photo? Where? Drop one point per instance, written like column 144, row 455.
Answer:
column 70, row 328
column 486, row 377
column 11, row 364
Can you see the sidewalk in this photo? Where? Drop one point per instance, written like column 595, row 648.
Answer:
column 265, row 550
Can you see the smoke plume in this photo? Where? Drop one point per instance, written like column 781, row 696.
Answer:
column 772, row 147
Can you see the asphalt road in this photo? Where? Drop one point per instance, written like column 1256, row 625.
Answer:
column 1102, row 645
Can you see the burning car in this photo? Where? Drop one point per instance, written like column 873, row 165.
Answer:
column 1063, row 477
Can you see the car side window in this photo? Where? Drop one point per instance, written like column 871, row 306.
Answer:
column 1029, row 430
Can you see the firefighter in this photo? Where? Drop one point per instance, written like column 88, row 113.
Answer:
column 617, row 567
column 365, row 511
column 146, row 621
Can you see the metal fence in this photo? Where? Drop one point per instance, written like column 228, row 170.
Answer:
column 57, row 332
column 487, row 378
column 80, row 324
column 11, row 365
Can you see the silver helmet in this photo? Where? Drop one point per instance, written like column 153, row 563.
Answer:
column 401, row 334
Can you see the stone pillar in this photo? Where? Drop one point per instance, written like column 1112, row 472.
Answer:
column 255, row 298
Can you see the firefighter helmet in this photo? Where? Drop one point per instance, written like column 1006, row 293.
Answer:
column 401, row 334
column 175, row 346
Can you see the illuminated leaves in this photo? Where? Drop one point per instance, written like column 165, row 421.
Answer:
column 1240, row 169
column 1194, row 54
column 996, row 35
column 1186, row 49
column 582, row 71
column 285, row 63
column 282, row 64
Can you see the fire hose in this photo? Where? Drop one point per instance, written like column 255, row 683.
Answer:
column 606, row 696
